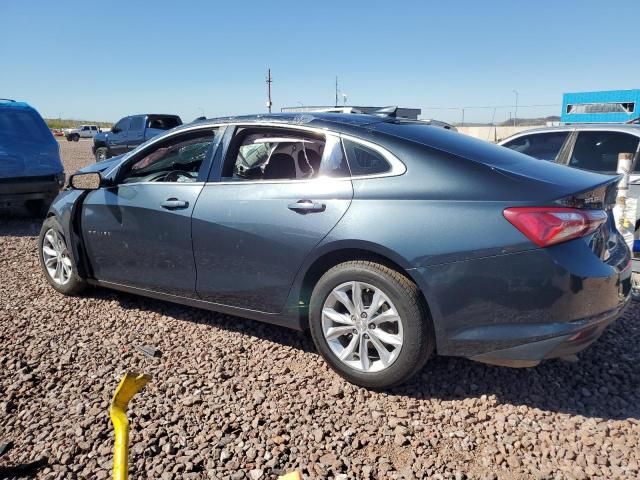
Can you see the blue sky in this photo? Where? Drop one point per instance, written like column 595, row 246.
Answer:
column 103, row 60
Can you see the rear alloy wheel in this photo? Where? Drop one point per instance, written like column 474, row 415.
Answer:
column 362, row 327
column 56, row 261
column 370, row 324
column 76, row 137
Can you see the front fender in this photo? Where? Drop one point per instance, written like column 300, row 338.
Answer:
column 66, row 208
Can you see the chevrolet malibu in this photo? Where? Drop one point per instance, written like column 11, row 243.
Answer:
column 388, row 240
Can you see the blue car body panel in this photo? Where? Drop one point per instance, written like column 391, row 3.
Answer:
column 30, row 166
column 492, row 294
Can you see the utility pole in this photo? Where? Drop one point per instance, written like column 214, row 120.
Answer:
column 336, row 104
column 269, row 82
column 515, row 114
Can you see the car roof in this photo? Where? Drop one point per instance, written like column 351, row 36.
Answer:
column 4, row 102
column 610, row 127
column 334, row 121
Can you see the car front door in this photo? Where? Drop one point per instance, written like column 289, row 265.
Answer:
column 136, row 132
column 118, row 137
column 137, row 233
column 280, row 192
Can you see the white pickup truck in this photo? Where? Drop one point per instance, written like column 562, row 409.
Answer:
column 83, row 131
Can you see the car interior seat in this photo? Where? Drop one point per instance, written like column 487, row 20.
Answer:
column 311, row 161
column 280, row 165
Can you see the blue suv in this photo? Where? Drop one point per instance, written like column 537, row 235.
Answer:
column 31, row 172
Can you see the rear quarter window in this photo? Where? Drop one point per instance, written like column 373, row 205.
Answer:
column 364, row 160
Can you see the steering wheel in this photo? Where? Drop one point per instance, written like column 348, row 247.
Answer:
column 174, row 176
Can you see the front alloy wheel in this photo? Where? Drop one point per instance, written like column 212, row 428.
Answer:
column 56, row 257
column 56, row 261
column 362, row 327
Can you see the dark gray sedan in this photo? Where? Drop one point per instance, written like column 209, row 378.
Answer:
column 388, row 240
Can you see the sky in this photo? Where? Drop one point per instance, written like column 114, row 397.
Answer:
column 104, row 60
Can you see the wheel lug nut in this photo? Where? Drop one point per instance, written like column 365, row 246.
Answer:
column 366, row 336
column 355, row 332
column 363, row 314
column 372, row 326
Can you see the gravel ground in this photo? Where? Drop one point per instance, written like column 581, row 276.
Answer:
column 233, row 398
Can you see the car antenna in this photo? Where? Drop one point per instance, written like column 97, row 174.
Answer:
column 391, row 112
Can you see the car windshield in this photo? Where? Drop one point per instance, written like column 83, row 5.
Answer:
column 24, row 124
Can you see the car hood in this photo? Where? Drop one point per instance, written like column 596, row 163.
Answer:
column 102, row 166
column 20, row 157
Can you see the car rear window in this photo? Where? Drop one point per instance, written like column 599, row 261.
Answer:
column 23, row 124
column 163, row 123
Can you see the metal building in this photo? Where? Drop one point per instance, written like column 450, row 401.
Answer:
column 609, row 106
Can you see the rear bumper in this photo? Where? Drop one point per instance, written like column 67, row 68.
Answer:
column 569, row 339
column 16, row 192
column 519, row 309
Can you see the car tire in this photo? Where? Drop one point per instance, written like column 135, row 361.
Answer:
column 52, row 241
column 411, row 336
column 76, row 138
column 102, row 153
column 68, row 138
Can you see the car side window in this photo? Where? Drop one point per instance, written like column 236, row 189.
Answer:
column 281, row 154
column 122, row 125
column 84, row 129
column 598, row 151
column 364, row 160
column 136, row 123
column 178, row 159
column 543, row 146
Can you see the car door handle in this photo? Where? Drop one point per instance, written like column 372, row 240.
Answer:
column 174, row 204
column 304, row 206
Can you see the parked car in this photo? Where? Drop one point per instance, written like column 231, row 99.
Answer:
column 593, row 147
column 31, row 172
column 131, row 131
column 83, row 131
column 388, row 240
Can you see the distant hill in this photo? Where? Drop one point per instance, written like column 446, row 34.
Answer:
column 65, row 123
column 531, row 122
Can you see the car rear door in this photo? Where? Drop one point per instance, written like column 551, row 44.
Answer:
column 137, row 233
column 253, row 226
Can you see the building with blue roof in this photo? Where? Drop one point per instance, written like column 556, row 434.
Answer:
column 608, row 106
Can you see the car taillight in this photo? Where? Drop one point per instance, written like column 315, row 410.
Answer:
column 547, row 226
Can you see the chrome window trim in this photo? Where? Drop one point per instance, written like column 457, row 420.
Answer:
column 397, row 166
column 158, row 183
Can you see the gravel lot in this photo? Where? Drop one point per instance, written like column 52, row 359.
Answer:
column 233, row 398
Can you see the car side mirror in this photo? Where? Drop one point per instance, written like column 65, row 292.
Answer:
column 86, row 181
column 115, row 130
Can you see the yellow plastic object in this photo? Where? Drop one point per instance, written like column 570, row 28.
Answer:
column 291, row 476
column 130, row 384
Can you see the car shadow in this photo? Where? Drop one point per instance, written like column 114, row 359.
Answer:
column 18, row 224
column 603, row 383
